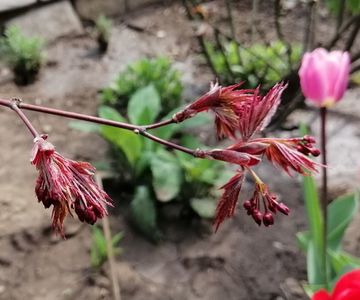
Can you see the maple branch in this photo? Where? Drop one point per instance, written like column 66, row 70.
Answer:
column 17, row 105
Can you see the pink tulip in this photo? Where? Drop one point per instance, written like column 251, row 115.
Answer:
column 324, row 76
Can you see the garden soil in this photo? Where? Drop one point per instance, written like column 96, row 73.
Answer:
column 241, row 261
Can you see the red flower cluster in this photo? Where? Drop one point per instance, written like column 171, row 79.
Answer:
column 226, row 102
column 67, row 185
column 247, row 112
column 347, row 288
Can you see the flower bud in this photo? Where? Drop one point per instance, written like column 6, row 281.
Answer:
column 281, row 207
column 268, row 219
column 257, row 216
column 247, row 205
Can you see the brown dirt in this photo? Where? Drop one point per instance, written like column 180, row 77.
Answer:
column 241, row 261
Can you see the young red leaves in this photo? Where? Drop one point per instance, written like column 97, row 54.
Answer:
column 226, row 103
column 257, row 114
column 67, row 185
column 227, row 204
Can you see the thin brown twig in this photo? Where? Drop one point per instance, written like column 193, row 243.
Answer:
column 109, row 250
column 352, row 37
column 230, row 19
column 279, row 32
column 67, row 114
column 201, row 42
column 309, row 26
column 15, row 107
column 340, row 16
column 222, row 50
column 339, row 33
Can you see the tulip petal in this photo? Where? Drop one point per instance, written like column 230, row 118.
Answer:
column 349, row 281
column 321, row 295
column 341, row 83
column 349, row 295
column 313, row 80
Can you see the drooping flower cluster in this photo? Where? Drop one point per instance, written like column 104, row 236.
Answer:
column 67, row 185
column 247, row 112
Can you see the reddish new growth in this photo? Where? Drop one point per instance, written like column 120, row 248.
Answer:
column 247, row 112
column 227, row 103
column 67, row 185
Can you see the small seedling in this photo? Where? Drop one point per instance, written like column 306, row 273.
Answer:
column 23, row 54
column 103, row 27
column 99, row 253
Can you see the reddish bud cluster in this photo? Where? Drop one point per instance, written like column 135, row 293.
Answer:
column 227, row 103
column 270, row 204
column 67, row 185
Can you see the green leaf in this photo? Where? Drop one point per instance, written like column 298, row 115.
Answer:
column 125, row 140
column 84, row 126
column 116, row 239
column 144, row 106
column 303, row 239
column 314, row 265
column 340, row 213
column 98, row 250
column 341, row 260
column 167, row 177
column 205, row 207
column 110, row 113
column 143, row 213
column 316, row 245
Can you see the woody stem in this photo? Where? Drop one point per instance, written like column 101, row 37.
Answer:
column 14, row 105
column 324, row 193
column 17, row 105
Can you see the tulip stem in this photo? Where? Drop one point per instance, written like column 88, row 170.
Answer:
column 324, row 193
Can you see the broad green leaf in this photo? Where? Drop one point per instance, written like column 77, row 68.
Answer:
column 205, row 207
column 167, row 177
column 143, row 213
column 340, row 214
column 85, row 126
column 125, row 140
column 143, row 162
column 144, row 106
column 201, row 170
column 110, row 113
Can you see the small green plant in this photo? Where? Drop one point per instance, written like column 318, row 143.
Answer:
column 99, row 253
column 256, row 65
column 103, row 26
column 23, row 54
column 156, row 71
